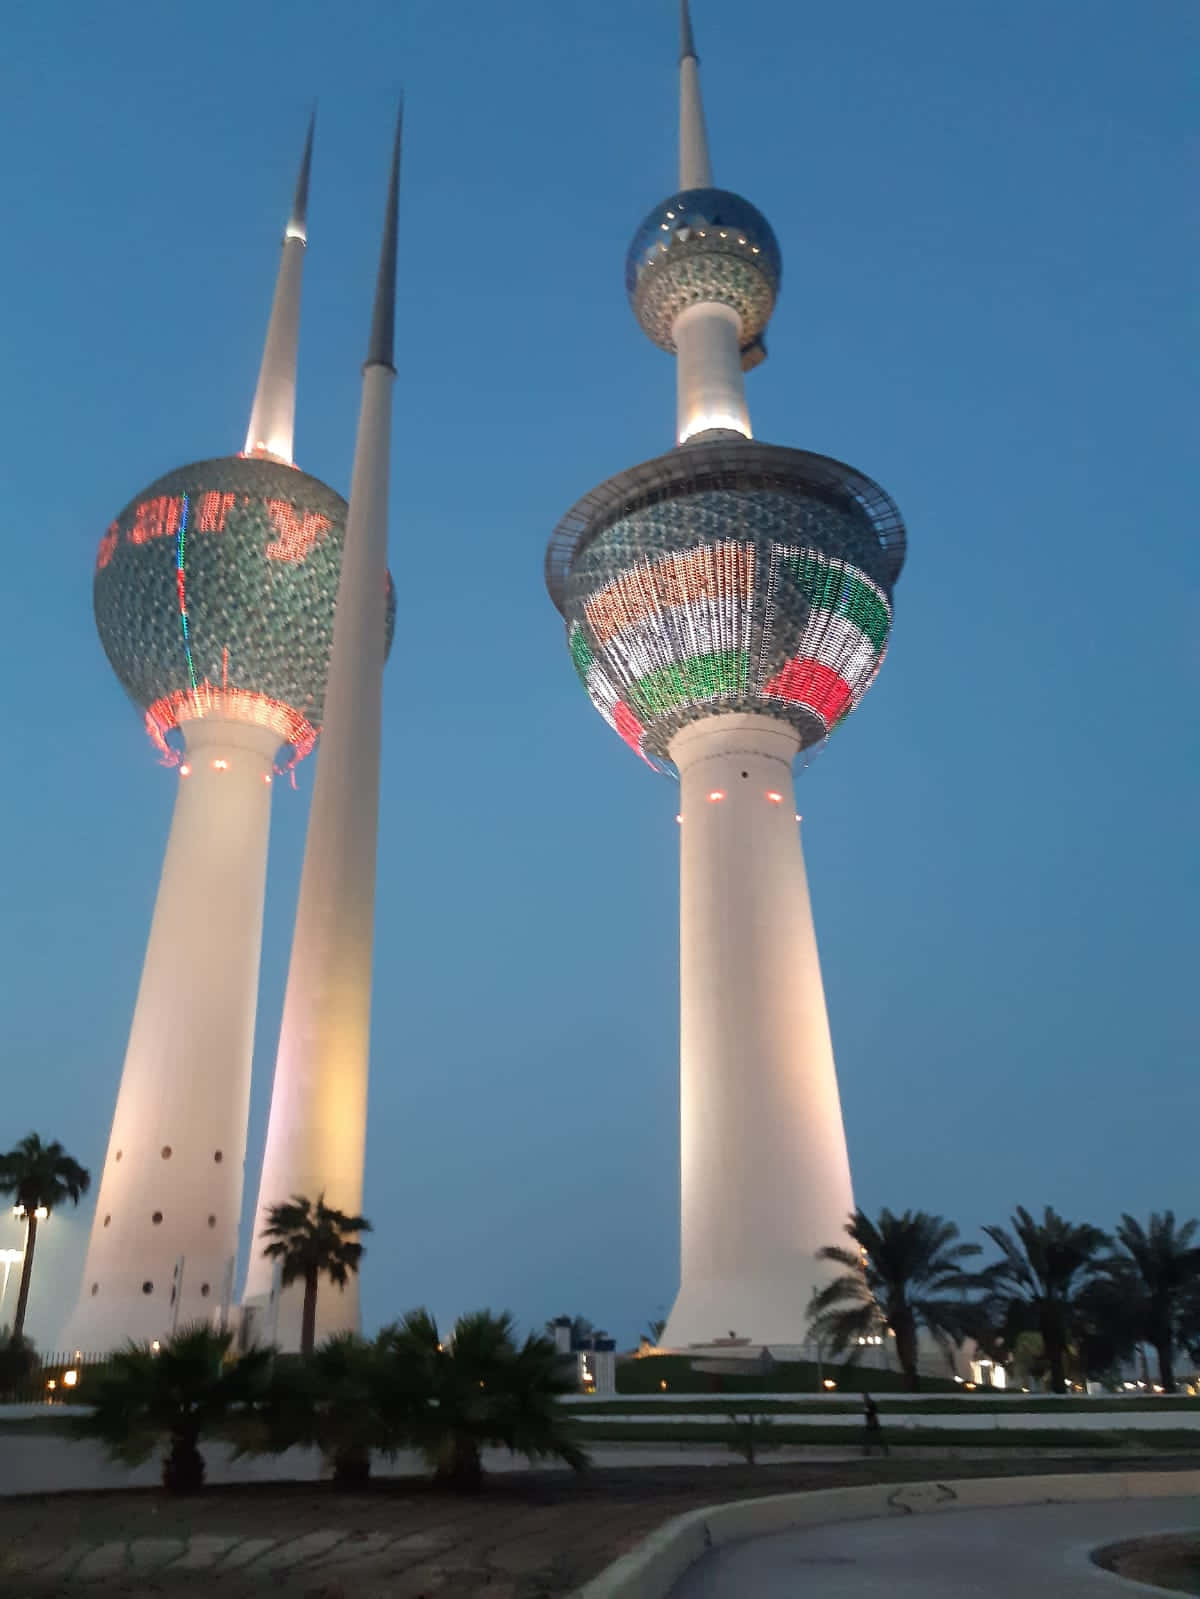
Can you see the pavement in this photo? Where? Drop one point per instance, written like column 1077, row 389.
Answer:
column 1032, row 1551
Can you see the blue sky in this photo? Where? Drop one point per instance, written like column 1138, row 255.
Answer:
column 984, row 228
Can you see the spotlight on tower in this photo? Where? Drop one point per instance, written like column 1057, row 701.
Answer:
column 727, row 605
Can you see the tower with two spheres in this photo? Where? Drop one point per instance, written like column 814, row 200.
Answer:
column 246, row 610
column 727, row 605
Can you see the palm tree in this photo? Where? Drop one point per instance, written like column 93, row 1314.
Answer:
column 581, row 1329
column 180, row 1392
column 1156, row 1267
column 1046, row 1266
column 903, row 1273
column 479, row 1387
column 40, row 1177
column 344, row 1399
column 311, row 1240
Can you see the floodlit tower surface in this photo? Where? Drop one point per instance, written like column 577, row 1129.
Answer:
column 214, row 599
column 727, row 605
column 316, row 1133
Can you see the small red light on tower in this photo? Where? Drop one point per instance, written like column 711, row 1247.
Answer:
column 220, row 766
column 266, row 777
column 774, row 797
column 799, row 818
column 717, row 794
column 185, row 770
column 679, row 818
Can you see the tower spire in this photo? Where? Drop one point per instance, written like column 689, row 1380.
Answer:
column 297, row 227
column 316, row 1134
column 382, row 341
column 695, row 166
column 273, row 417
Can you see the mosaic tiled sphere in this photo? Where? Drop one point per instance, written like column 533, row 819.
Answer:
column 215, row 592
column 727, row 576
column 703, row 245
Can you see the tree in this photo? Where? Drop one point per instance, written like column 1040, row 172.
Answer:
column 344, row 1399
column 477, row 1388
column 187, row 1389
column 40, row 1177
column 1046, row 1265
column 904, row 1273
column 312, row 1240
column 581, row 1329
column 1153, row 1272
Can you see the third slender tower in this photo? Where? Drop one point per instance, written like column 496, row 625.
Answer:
column 727, row 605
column 316, row 1133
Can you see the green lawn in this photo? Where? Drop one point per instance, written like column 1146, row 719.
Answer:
column 718, row 1431
column 929, row 1404
column 646, row 1376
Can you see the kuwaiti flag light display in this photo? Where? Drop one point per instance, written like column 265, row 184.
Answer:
column 784, row 629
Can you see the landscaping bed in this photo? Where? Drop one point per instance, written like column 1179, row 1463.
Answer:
column 1171, row 1561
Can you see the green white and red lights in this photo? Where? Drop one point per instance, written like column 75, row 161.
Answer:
column 730, row 625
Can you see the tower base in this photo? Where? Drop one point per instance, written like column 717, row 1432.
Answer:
column 765, row 1179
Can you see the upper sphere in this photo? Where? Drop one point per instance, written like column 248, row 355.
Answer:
column 703, row 245
column 215, row 591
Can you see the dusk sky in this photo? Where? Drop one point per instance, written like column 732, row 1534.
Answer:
column 984, row 218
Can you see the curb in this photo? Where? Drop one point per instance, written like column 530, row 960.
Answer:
column 650, row 1570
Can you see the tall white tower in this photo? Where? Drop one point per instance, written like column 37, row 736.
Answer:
column 214, row 597
column 727, row 604
column 316, row 1134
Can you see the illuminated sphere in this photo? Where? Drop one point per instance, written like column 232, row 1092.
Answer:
column 215, row 592
column 703, row 245
column 728, row 575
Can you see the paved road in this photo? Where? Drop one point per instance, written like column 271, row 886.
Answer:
column 1029, row 1552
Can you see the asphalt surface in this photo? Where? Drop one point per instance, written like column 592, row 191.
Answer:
column 1025, row 1552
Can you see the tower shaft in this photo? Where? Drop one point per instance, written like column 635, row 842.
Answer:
column 164, row 1237
column 765, row 1178
column 710, row 384
column 316, row 1133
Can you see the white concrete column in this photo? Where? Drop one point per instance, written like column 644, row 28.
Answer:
column 171, row 1187
column 765, row 1180
column 710, row 383
column 316, row 1136
column 273, row 417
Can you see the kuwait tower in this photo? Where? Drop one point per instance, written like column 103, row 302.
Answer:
column 317, row 1129
column 727, row 605
column 214, row 598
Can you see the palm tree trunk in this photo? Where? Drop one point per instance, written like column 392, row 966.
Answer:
column 906, row 1353
column 1056, row 1355
column 352, row 1467
column 308, row 1319
column 1165, row 1351
column 460, row 1467
column 26, row 1273
column 183, row 1467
